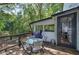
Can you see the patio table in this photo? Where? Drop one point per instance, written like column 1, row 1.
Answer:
column 33, row 44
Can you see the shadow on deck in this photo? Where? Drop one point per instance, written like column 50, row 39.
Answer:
column 59, row 50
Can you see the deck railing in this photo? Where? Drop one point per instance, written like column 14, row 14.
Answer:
column 7, row 42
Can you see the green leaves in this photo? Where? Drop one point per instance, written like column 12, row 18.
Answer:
column 2, row 25
column 15, row 18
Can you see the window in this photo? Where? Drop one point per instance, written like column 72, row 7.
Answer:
column 49, row 27
column 39, row 27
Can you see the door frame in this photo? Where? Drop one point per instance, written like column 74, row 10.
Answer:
column 74, row 29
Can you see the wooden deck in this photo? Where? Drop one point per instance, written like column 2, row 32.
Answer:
column 48, row 50
column 10, row 47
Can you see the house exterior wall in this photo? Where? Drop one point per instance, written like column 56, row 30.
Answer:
column 50, row 35
column 54, row 21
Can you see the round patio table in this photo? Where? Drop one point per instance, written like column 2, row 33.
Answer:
column 33, row 45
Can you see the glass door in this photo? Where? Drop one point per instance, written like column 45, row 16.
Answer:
column 66, row 30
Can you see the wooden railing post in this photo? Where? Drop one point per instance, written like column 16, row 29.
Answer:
column 19, row 42
column 10, row 37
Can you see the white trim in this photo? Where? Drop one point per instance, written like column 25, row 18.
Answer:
column 45, row 22
column 78, row 30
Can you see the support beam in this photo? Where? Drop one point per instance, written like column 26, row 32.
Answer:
column 34, row 28
column 78, row 30
column 43, row 28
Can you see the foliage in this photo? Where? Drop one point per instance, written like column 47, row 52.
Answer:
column 15, row 18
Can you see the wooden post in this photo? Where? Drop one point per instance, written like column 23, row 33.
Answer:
column 43, row 28
column 34, row 28
column 19, row 42
column 10, row 37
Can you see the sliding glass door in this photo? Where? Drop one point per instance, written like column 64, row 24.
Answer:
column 66, row 29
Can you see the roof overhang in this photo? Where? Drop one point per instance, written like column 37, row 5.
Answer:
column 49, row 20
column 40, row 20
column 66, row 11
column 46, row 21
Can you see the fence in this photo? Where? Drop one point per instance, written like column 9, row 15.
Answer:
column 8, row 42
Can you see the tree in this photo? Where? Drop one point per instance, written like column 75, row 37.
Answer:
column 15, row 17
